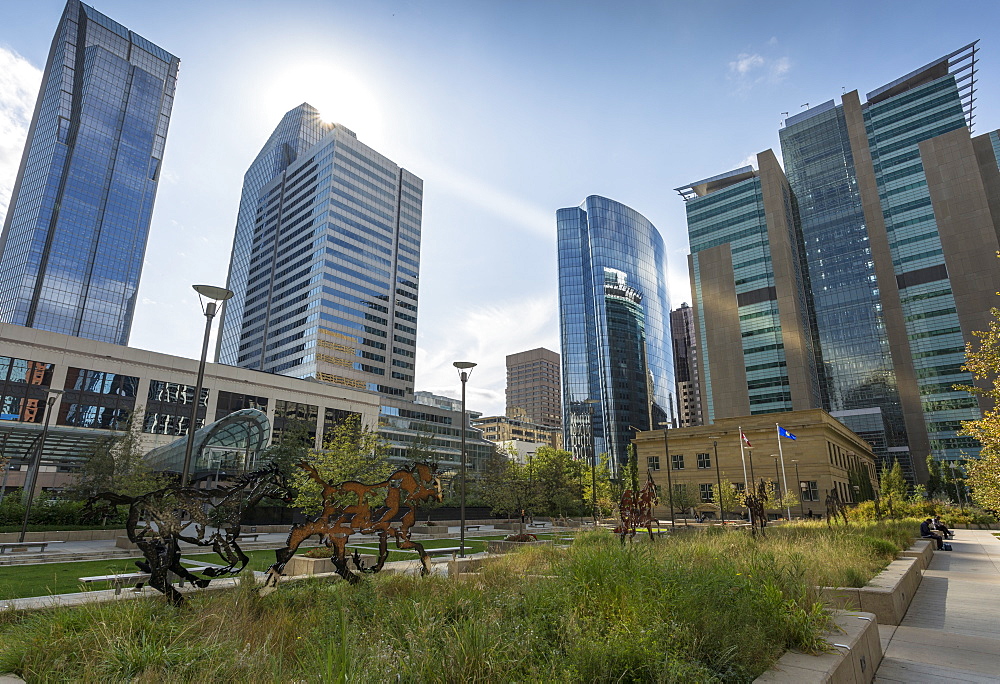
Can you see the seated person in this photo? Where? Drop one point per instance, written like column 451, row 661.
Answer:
column 927, row 533
column 942, row 528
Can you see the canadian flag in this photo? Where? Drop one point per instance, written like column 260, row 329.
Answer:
column 745, row 440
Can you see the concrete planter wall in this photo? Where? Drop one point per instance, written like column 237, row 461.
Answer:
column 888, row 595
column 922, row 550
column 302, row 565
column 856, row 664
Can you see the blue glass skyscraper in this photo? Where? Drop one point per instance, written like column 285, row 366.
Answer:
column 75, row 235
column 326, row 261
column 614, row 322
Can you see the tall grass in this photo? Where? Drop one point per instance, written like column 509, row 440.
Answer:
column 715, row 607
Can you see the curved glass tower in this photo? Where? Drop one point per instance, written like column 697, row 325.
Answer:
column 614, row 321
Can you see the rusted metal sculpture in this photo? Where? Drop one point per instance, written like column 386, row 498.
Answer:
column 835, row 508
column 407, row 487
column 159, row 520
column 636, row 510
column 754, row 501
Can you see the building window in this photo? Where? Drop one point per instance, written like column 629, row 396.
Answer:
column 288, row 411
column 704, row 461
column 810, row 490
column 653, row 463
column 706, row 492
column 229, row 402
column 333, row 417
column 23, row 389
column 677, row 461
column 95, row 399
column 168, row 408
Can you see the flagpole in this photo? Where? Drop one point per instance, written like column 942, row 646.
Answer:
column 746, row 484
column 784, row 480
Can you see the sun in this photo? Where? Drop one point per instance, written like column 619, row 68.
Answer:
column 341, row 95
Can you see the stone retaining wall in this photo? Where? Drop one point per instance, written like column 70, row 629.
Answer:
column 887, row 595
column 855, row 656
column 68, row 535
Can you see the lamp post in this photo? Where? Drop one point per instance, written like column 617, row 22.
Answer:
column 36, row 462
column 718, row 477
column 802, row 487
column 777, row 479
column 593, row 457
column 213, row 294
column 670, row 485
column 954, row 480
column 750, row 459
column 464, row 371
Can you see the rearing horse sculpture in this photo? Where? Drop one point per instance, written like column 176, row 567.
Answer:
column 406, row 487
column 157, row 523
column 636, row 510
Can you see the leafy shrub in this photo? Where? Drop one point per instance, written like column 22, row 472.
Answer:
column 524, row 537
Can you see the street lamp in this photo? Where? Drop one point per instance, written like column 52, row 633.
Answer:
column 593, row 458
column 718, row 477
column 802, row 487
column 36, row 462
column 670, row 485
column 213, row 294
column 464, row 371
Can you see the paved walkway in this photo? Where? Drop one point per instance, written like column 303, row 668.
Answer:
column 951, row 632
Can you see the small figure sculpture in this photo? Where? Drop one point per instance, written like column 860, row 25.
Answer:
column 159, row 520
column 337, row 522
column 754, row 501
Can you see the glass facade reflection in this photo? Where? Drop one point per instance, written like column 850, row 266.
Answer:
column 326, row 262
column 614, row 317
column 97, row 399
column 74, row 238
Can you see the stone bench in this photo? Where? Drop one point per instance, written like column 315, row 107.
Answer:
column 855, row 656
column 922, row 550
column 887, row 595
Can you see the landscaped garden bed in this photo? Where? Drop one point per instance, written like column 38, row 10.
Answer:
column 710, row 606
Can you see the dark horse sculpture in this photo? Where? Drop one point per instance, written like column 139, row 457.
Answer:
column 636, row 510
column 406, row 487
column 159, row 520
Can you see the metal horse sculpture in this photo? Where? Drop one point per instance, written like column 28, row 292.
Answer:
column 636, row 509
column 407, row 487
column 835, row 508
column 754, row 501
column 159, row 520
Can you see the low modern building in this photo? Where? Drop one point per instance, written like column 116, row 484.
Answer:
column 825, row 456
column 500, row 429
column 98, row 387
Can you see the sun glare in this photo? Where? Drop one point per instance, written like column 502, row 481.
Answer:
column 341, row 96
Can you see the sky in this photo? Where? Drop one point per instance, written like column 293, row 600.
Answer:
column 508, row 110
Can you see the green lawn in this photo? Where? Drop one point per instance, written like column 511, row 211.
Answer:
column 45, row 579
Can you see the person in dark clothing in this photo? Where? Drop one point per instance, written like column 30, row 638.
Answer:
column 942, row 528
column 927, row 533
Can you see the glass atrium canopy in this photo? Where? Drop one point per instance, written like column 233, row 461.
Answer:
column 232, row 443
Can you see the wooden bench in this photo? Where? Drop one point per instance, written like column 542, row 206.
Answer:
column 13, row 546
column 247, row 537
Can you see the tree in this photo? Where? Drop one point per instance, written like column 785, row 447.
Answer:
column 601, row 475
column 935, row 480
column 293, row 448
column 894, row 488
column 727, row 497
column 351, row 451
column 685, row 498
column 559, row 482
column 117, row 464
column 983, row 362
column 504, row 484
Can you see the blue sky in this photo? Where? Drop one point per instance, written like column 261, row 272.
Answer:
column 507, row 110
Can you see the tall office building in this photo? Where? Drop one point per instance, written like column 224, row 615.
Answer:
column 75, row 234
column 325, row 261
column 614, row 319
column 533, row 387
column 686, row 366
column 895, row 216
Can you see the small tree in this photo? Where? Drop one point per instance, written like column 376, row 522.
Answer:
column 894, row 489
column 983, row 478
column 935, row 481
column 728, row 498
column 293, row 448
column 116, row 464
column 685, row 498
column 351, row 451
column 559, row 482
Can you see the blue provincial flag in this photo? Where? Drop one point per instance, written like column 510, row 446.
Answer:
column 785, row 433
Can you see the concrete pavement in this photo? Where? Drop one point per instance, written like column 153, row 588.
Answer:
column 951, row 632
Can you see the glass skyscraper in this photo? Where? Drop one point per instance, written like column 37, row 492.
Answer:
column 614, row 321
column 893, row 218
column 75, row 234
column 325, row 261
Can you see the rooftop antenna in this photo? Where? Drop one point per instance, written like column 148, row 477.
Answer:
column 784, row 115
column 805, row 106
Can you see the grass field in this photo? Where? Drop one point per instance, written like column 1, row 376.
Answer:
column 711, row 606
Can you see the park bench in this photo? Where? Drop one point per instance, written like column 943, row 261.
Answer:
column 445, row 551
column 472, row 527
column 538, row 524
column 247, row 537
column 13, row 546
column 129, row 579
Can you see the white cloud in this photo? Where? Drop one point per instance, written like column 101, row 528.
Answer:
column 19, row 83
column 773, row 41
column 486, row 335
column 745, row 63
column 780, row 67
